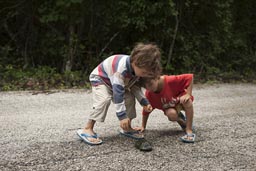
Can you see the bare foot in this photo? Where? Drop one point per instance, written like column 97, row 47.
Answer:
column 133, row 133
column 93, row 136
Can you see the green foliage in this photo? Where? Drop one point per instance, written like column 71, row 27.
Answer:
column 51, row 43
column 42, row 78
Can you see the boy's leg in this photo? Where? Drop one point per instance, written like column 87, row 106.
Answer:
column 101, row 96
column 130, row 104
column 173, row 114
column 181, row 118
column 89, row 131
column 189, row 110
column 190, row 136
column 131, row 113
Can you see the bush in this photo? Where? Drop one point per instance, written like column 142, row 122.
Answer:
column 42, row 78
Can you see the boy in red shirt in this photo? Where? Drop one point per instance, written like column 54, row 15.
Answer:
column 171, row 94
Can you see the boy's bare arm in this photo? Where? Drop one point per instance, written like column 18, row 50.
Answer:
column 148, row 109
column 190, row 87
column 188, row 105
column 144, row 123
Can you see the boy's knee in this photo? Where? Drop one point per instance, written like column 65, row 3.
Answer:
column 172, row 115
column 102, row 103
column 188, row 104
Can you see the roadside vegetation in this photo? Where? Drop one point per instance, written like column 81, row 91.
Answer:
column 55, row 44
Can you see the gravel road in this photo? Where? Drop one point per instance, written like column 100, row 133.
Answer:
column 38, row 132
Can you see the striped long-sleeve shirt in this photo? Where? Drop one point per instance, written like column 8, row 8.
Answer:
column 117, row 73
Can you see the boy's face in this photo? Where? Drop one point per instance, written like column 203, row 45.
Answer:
column 152, row 85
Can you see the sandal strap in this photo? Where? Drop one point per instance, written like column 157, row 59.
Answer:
column 190, row 135
column 89, row 136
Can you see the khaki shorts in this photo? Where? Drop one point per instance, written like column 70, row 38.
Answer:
column 102, row 96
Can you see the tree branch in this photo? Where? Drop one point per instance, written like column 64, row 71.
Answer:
column 173, row 41
column 110, row 40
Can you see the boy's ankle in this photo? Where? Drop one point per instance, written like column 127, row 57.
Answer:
column 189, row 131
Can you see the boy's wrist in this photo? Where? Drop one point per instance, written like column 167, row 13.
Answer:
column 122, row 117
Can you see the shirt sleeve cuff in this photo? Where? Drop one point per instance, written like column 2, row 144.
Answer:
column 144, row 102
column 122, row 117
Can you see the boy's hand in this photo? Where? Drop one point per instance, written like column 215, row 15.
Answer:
column 141, row 129
column 125, row 124
column 185, row 97
column 148, row 108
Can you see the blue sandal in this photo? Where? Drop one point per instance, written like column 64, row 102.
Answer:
column 188, row 138
column 85, row 137
column 132, row 134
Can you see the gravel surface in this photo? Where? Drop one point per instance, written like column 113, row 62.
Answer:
column 38, row 132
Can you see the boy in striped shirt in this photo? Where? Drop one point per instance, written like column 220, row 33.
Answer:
column 116, row 79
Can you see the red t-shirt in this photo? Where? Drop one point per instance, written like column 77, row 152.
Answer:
column 173, row 88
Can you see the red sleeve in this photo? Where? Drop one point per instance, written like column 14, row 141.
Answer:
column 184, row 81
column 179, row 83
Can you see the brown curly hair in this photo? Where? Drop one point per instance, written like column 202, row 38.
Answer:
column 147, row 56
